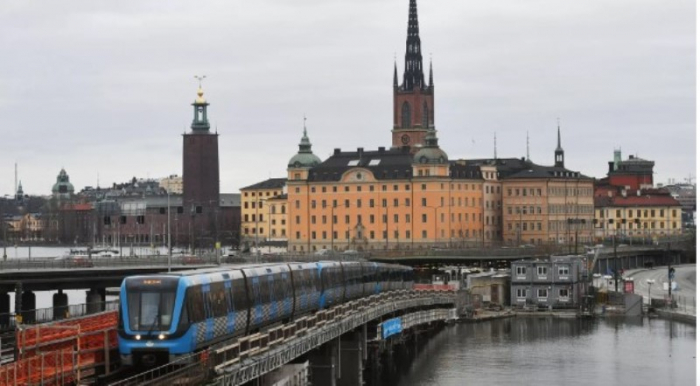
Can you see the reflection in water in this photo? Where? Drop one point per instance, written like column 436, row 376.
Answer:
column 549, row 351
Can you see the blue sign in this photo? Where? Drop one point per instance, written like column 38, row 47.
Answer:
column 391, row 327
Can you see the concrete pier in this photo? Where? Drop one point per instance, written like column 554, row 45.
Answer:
column 95, row 300
column 28, row 309
column 324, row 364
column 60, row 305
column 351, row 356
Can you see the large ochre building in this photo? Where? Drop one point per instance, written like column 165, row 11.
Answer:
column 412, row 196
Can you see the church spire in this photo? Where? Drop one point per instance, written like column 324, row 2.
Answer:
column 431, row 72
column 413, row 69
column 396, row 74
column 559, row 152
column 558, row 136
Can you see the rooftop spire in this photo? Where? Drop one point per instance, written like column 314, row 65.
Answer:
column 559, row 152
column 396, row 76
column 558, row 136
column 495, row 147
column 431, row 71
column 413, row 69
column 528, row 146
column 305, row 144
column 200, row 123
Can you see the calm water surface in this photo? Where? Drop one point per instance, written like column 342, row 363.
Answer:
column 548, row 351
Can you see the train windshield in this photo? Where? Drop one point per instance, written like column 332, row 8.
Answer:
column 150, row 302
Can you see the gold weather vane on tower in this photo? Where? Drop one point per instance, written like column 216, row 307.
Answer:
column 200, row 92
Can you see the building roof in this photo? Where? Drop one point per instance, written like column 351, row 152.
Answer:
column 384, row 164
column 636, row 201
column 230, row 200
column 271, row 183
column 514, row 168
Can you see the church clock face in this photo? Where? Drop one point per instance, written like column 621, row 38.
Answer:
column 405, row 139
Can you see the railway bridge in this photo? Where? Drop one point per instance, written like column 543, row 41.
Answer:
column 331, row 347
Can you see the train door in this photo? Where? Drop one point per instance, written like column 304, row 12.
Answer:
column 208, row 314
column 256, row 308
column 231, row 310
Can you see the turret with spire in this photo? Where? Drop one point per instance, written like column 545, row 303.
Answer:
column 413, row 98
column 305, row 158
column 559, row 152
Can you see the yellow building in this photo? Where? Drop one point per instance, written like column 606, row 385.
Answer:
column 638, row 215
column 263, row 212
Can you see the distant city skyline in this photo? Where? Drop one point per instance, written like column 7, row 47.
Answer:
column 105, row 89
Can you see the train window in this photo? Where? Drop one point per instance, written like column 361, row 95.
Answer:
column 184, row 319
column 195, row 303
column 314, row 279
column 217, row 299
column 282, row 284
column 264, row 290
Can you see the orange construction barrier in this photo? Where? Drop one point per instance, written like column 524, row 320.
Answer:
column 433, row 287
column 61, row 352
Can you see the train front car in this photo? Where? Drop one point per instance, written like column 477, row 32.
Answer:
column 148, row 327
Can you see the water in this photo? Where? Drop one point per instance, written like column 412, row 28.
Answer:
column 548, row 351
column 49, row 252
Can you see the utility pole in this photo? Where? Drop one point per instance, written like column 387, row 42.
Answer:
column 671, row 273
column 170, row 248
column 615, row 259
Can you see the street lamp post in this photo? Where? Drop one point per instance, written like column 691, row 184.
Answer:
column 170, row 247
column 333, row 203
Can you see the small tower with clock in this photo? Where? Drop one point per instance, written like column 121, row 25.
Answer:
column 200, row 168
column 413, row 98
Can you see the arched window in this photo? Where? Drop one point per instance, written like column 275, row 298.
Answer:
column 405, row 115
column 426, row 114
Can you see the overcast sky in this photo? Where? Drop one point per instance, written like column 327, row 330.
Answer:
column 104, row 87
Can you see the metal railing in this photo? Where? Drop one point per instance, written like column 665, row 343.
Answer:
column 199, row 367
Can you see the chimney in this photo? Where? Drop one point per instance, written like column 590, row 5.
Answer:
column 382, row 149
column 611, row 167
column 360, row 150
column 336, row 151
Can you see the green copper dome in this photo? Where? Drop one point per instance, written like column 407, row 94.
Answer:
column 305, row 158
column 431, row 152
column 62, row 188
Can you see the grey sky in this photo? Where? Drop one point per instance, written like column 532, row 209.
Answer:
column 105, row 87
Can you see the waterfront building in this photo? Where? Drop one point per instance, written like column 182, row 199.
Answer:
column 642, row 214
column 413, row 196
column 629, row 207
column 556, row 283
column 264, row 212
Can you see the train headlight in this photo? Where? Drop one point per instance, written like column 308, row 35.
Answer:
column 137, row 337
column 161, row 336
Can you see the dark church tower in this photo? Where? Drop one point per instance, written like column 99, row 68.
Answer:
column 200, row 171
column 413, row 99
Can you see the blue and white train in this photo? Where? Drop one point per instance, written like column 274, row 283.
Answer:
column 167, row 315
